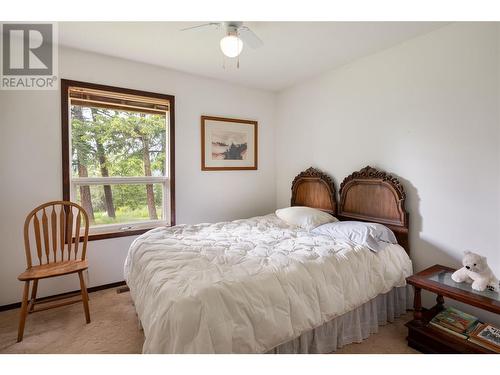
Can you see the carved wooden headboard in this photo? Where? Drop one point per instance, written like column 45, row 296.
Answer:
column 375, row 196
column 366, row 195
column 313, row 188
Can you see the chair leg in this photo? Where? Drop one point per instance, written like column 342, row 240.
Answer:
column 31, row 305
column 85, row 297
column 24, row 311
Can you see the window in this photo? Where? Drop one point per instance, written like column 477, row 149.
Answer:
column 118, row 157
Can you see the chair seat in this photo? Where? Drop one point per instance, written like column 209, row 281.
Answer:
column 53, row 269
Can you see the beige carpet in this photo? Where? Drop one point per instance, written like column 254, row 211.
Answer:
column 114, row 329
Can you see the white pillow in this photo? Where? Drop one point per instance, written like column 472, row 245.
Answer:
column 372, row 235
column 305, row 217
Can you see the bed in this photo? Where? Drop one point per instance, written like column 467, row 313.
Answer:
column 260, row 285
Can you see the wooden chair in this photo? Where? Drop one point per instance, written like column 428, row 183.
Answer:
column 55, row 229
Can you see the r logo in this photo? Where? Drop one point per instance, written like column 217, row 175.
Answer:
column 27, row 49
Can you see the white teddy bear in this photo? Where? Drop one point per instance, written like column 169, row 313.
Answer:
column 477, row 272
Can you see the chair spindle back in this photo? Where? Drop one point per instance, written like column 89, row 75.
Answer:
column 55, row 229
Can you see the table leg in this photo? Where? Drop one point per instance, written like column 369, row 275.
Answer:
column 417, row 306
column 439, row 303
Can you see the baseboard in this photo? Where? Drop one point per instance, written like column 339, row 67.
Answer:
column 17, row 305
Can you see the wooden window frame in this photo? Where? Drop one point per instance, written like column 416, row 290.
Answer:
column 65, row 132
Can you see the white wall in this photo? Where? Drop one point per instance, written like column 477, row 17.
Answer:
column 426, row 110
column 30, row 150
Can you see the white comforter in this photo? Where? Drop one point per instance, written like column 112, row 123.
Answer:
column 249, row 285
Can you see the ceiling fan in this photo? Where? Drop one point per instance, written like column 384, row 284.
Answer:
column 235, row 35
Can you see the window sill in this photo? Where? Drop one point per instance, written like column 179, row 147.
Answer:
column 117, row 234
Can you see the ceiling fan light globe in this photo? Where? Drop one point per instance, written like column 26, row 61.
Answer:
column 231, row 45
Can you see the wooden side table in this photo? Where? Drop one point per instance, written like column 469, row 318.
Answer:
column 427, row 339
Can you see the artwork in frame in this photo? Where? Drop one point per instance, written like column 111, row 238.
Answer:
column 228, row 144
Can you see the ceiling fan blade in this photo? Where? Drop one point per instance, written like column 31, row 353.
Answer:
column 210, row 24
column 249, row 37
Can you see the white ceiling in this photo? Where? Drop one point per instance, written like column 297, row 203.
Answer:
column 292, row 51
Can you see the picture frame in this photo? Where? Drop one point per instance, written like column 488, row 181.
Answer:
column 228, row 144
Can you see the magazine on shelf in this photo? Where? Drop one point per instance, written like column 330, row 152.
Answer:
column 487, row 336
column 451, row 332
column 456, row 321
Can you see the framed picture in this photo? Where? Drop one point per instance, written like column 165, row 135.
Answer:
column 228, row 144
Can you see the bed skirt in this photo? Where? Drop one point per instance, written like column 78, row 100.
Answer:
column 354, row 326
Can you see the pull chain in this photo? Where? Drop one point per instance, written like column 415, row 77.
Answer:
column 238, row 61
